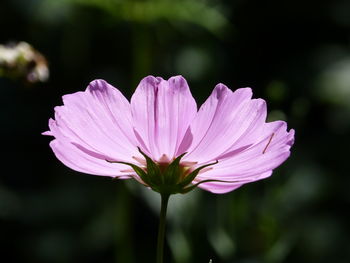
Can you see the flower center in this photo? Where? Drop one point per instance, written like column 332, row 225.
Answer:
column 168, row 176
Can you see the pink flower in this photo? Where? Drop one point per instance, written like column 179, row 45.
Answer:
column 223, row 145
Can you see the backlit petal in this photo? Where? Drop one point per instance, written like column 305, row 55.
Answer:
column 82, row 160
column 162, row 111
column 99, row 120
column 222, row 187
column 222, row 121
column 252, row 163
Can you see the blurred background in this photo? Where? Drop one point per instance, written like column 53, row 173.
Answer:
column 294, row 54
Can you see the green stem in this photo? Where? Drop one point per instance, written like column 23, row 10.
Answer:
column 161, row 229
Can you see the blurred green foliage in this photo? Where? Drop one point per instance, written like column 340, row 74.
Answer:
column 294, row 54
column 148, row 11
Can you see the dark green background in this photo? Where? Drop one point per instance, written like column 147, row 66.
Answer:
column 294, row 54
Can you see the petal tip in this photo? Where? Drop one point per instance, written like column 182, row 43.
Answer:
column 149, row 78
column 97, row 84
column 221, row 86
column 47, row 133
column 221, row 90
column 291, row 137
column 247, row 91
column 149, row 82
column 178, row 82
column 177, row 78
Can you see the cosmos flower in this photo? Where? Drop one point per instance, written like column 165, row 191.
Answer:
column 161, row 140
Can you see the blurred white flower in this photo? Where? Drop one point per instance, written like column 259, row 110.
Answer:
column 22, row 61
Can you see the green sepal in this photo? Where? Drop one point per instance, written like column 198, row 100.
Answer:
column 172, row 179
column 189, row 178
column 172, row 174
column 139, row 171
column 153, row 170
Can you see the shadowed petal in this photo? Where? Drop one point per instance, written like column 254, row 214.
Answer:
column 162, row 111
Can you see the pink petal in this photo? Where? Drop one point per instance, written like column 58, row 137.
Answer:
column 222, row 188
column 99, row 120
column 253, row 163
column 223, row 121
column 81, row 160
column 162, row 111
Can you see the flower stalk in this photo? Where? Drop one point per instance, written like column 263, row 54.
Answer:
column 161, row 228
